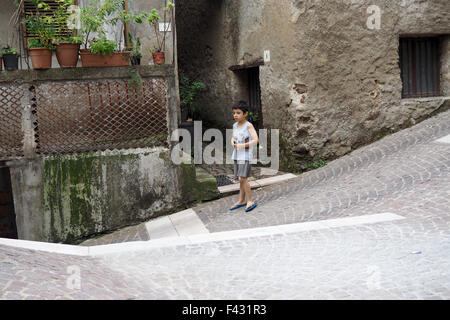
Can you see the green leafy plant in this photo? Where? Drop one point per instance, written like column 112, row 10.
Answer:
column 135, row 80
column 42, row 25
column 253, row 116
column 153, row 18
column 35, row 43
column 61, row 17
column 189, row 91
column 98, row 14
column 318, row 164
column 8, row 50
column 92, row 18
column 135, row 47
column 103, row 46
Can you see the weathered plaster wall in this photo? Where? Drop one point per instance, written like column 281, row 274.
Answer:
column 445, row 67
column 332, row 84
column 8, row 8
column 70, row 197
column 145, row 31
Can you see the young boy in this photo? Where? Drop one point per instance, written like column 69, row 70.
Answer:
column 244, row 136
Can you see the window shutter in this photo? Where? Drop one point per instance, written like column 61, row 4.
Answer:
column 29, row 9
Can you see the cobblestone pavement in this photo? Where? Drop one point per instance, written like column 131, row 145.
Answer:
column 370, row 176
column 406, row 173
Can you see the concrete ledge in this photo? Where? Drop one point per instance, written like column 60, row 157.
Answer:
column 258, row 183
column 80, row 73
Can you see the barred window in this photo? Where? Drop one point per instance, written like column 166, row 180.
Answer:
column 419, row 61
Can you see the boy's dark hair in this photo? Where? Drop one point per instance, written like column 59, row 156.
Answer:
column 242, row 105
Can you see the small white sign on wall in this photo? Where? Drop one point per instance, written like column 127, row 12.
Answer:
column 165, row 26
column 266, row 55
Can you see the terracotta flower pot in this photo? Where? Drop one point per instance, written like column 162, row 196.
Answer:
column 67, row 54
column 158, row 58
column 41, row 58
column 118, row 59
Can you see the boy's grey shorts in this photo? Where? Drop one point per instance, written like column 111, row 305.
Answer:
column 242, row 168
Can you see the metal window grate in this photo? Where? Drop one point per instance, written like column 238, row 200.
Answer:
column 419, row 61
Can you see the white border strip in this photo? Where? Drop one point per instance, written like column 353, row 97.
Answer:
column 445, row 139
column 46, row 246
column 200, row 238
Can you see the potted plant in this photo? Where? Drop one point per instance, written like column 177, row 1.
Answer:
column 158, row 52
column 42, row 27
column 102, row 54
column 135, row 49
column 67, row 46
column 100, row 51
column 67, row 51
column 10, row 58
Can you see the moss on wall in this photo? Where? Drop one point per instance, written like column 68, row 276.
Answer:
column 88, row 193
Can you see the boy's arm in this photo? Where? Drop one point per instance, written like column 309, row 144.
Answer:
column 232, row 141
column 254, row 139
column 253, row 134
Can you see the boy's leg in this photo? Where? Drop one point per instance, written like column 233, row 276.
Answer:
column 241, row 190
column 247, row 190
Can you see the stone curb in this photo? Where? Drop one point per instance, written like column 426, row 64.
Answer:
column 258, row 183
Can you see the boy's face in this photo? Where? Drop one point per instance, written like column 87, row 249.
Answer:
column 239, row 115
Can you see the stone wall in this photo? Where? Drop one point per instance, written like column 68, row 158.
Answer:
column 332, row 84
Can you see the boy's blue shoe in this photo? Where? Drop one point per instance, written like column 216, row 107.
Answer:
column 237, row 206
column 253, row 206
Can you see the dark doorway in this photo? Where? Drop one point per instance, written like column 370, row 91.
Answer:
column 8, row 228
column 254, row 97
column 250, row 90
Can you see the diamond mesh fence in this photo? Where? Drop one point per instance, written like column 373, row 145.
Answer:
column 11, row 135
column 81, row 116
